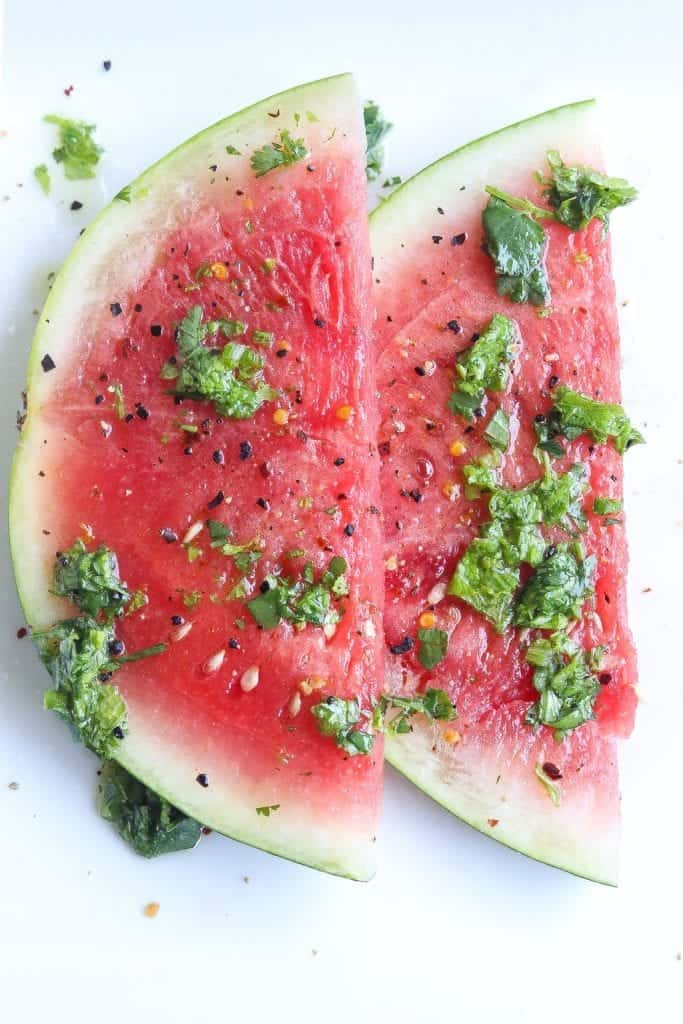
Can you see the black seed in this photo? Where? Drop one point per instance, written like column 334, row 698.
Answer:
column 217, row 500
column 99, row 399
column 213, row 167
column 128, row 417
column 416, row 495
column 117, row 732
column 262, row 503
column 106, row 64
column 203, row 779
column 475, row 337
column 349, row 529
column 265, row 587
column 156, row 330
column 76, row 205
column 47, row 363
column 115, row 308
column 539, row 418
column 318, row 322
column 137, row 307
column 454, row 326
column 405, row 645
column 233, row 644
column 246, row 450
column 439, row 209
column 551, row 770
column 169, row 535
column 310, row 167
column 384, row 447
column 479, row 412
column 177, row 620
column 281, row 353
column 436, row 239
column 187, row 451
column 116, row 647
column 604, row 678
column 420, row 371
column 142, row 412
column 553, row 382
column 459, row 239
column 550, row 551
column 104, row 677
column 218, row 457
column 339, row 461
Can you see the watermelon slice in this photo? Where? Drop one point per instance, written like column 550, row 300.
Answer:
column 247, row 517
column 435, row 288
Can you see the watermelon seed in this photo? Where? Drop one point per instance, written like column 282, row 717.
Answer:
column 213, row 663
column 217, row 500
column 552, row 357
column 403, row 647
column 180, row 632
column 349, row 529
column 459, row 239
column 106, row 64
column 250, row 679
column 246, row 450
column 437, row 593
column 203, row 780
column 294, row 706
column 329, row 629
column 47, row 363
column 177, row 620
column 551, row 770
column 115, row 308
column 169, row 535
column 193, row 531
column 436, row 239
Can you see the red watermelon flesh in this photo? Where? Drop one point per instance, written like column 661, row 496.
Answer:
column 430, row 271
column 309, row 484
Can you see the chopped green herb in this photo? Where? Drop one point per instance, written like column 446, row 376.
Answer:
column 555, row 593
column 551, row 789
column 338, row 717
column 433, row 646
column 230, row 377
column 147, row 822
column 565, row 683
column 497, row 432
column 116, row 390
column 91, row 580
column 516, row 244
column 124, row 195
column 375, row 130
column 553, row 500
column 301, row 601
column 218, row 532
column 77, row 151
column 278, row 154
column 267, row 810
column 311, row 117
column 484, row 366
column 607, row 506
column 264, row 338
column 574, row 414
column 244, row 556
column 578, row 194
column 433, row 704
column 191, row 598
column 231, row 151
column 42, row 176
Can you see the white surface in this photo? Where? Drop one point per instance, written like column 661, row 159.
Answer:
column 453, row 923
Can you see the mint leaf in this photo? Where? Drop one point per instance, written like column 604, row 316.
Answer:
column 77, row 152
column 484, row 366
column 497, row 432
column 42, row 176
column 267, row 810
column 278, row 154
column 146, row 821
column 434, row 704
column 433, row 644
column 574, row 414
column 516, row 244
column 555, row 593
column 91, row 580
column 375, row 130
column 578, row 193
column 553, row 500
column 565, row 683
column 607, row 506
column 304, row 600
column 339, row 717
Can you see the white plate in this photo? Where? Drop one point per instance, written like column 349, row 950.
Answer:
column 453, row 923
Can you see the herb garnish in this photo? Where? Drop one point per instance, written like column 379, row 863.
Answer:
column 573, row 414
column 607, row 506
column 375, row 129
column 516, row 244
column 231, row 377
column 555, row 593
column 497, row 431
column 304, row 600
column 77, row 152
column 564, row 679
column 91, row 580
column 433, row 646
column 42, row 176
column 147, row 822
column 278, row 154
column 578, row 194
column 267, row 810
column 483, row 366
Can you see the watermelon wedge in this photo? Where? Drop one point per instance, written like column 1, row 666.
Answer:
column 199, row 422
column 551, row 793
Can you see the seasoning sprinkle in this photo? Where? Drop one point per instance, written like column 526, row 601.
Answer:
column 115, row 308
column 203, row 780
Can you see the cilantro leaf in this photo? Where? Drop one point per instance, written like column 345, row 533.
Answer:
column 91, row 580
column 516, row 244
column 565, row 683
column 497, row 431
column 303, row 600
column 375, row 130
column 278, row 154
column 231, row 377
column 433, row 704
column 42, row 176
column 574, row 414
column 77, row 151
column 148, row 823
column 555, row 593
column 553, row 500
column 433, row 646
column 578, row 194
column 339, row 717
column 483, row 366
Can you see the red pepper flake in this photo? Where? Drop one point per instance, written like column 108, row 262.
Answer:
column 69, row 89
column 551, row 770
column 492, row 822
column 21, row 633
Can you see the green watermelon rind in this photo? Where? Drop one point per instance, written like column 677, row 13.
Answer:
column 578, row 840
column 333, row 100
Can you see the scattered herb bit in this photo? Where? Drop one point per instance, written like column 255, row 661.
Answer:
column 116, row 390
column 497, row 432
column 516, row 244
column 375, row 130
column 433, row 644
column 555, row 593
column 124, row 195
column 551, row 789
column 578, row 194
column 303, row 600
column 218, row 532
column 574, row 414
column 433, row 704
column 91, row 580
column 42, row 176
column 230, row 377
column 553, row 500
column 231, row 151
column 392, row 182
column 147, row 822
column 607, row 506
column 48, row 363
column 278, row 154
column 338, row 717
column 483, row 366
column 565, row 682
column 191, row 598
column 267, row 810
column 77, row 151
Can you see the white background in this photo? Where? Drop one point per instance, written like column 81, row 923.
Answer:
column 453, row 925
